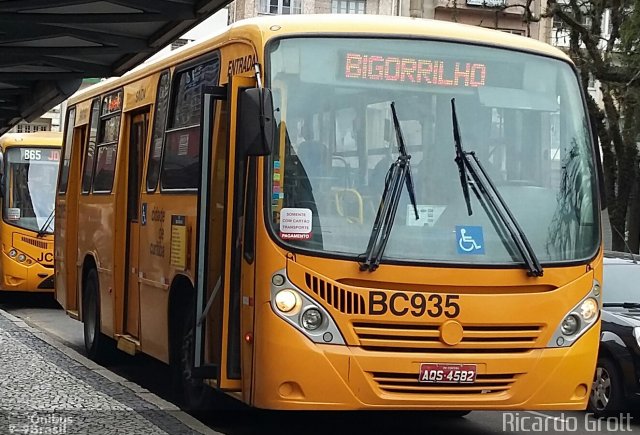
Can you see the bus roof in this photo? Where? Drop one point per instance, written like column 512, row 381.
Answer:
column 38, row 138
column 267, row 27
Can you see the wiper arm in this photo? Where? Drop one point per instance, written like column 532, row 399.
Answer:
column 460, row 158
column 46, row 224
column 621, row 304
column 485, row 186
column 399, row 174
column 402, row 148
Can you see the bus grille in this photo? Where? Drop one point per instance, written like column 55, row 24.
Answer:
column 342, row 300
column 407, row 383
column 426, row 338
column 35, row 242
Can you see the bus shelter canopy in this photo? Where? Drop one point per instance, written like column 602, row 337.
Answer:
column 48, row 46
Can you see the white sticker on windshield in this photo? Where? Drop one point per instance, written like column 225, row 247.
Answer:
column 13, row 214
column 429, row 215
column 295, row 223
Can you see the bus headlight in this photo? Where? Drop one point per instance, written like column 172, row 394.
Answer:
column 21, row 257
column 578, row 320
column 311, row 319
column 300, row 310
column 589, row 309
column 13, row 253
column 570, row 324
column 287, row 300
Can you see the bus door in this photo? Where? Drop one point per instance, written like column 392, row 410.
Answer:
column 139, row 126
column 66, row 217
column 71, row 217
column 210, row 237
column 224, row 283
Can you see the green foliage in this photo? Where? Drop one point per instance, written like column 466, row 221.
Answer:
column 611, row 55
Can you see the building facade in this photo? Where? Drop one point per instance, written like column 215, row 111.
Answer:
column 505, row 15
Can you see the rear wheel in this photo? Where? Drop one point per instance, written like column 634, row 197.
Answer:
column 606, row 392
column 96, row 344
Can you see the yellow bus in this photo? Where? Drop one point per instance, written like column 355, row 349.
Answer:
column 332, row 212
column 28, row 173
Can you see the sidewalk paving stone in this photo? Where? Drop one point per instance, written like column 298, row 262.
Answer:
column 46, row 390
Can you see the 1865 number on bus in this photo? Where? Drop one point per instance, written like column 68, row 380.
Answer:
column 416, row 304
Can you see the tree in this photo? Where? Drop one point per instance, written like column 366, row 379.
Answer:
column 611, row 56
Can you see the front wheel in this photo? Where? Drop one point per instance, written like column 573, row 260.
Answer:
column 606, row 392
column 196, row 395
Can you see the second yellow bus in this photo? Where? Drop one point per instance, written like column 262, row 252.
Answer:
column 29, row 169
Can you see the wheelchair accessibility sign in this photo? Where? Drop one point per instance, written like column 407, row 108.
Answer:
column 470, row 240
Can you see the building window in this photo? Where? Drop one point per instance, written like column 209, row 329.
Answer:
column 487, row 3
column 348, row 6
column 180, row 42
column 281, row 7
column 31, row 128
column 513, row 31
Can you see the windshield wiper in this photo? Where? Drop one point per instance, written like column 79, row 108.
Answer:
column 43, row 229
column 622, row 304
column 460, row 158
column 399, row 174
column 484, row 187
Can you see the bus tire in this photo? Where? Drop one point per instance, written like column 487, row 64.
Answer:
column 95, row 343
column 196, row 395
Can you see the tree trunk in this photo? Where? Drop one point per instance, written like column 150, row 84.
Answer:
column 633, row 219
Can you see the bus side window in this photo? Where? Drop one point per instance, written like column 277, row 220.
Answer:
column 107, row 143
column 64, row 164
column 89, row 157
column 159, row 125
column 181, row 155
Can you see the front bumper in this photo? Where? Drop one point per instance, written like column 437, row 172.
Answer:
column 292, row 373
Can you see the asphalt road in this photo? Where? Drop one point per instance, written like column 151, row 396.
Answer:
column 44, row 313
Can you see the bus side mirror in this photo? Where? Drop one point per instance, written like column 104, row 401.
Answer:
column 256, row 123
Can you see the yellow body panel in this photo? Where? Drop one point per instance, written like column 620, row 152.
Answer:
column 281, row 368
column 35, row 274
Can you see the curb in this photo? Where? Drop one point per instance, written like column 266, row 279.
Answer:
column 144, row 394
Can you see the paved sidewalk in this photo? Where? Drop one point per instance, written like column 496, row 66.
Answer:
column 48, row 388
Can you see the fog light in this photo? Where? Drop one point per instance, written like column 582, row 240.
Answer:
column 589, row 309
column 312, row 319
column 570, row 324
column 13, row 253
column 21, row 257
column 286, row 300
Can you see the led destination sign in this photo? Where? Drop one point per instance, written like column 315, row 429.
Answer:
column 413, row 70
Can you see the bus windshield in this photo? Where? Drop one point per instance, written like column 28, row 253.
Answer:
column 29, row 187
column 521, row 114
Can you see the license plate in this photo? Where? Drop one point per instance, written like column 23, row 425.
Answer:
column 447, row 373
